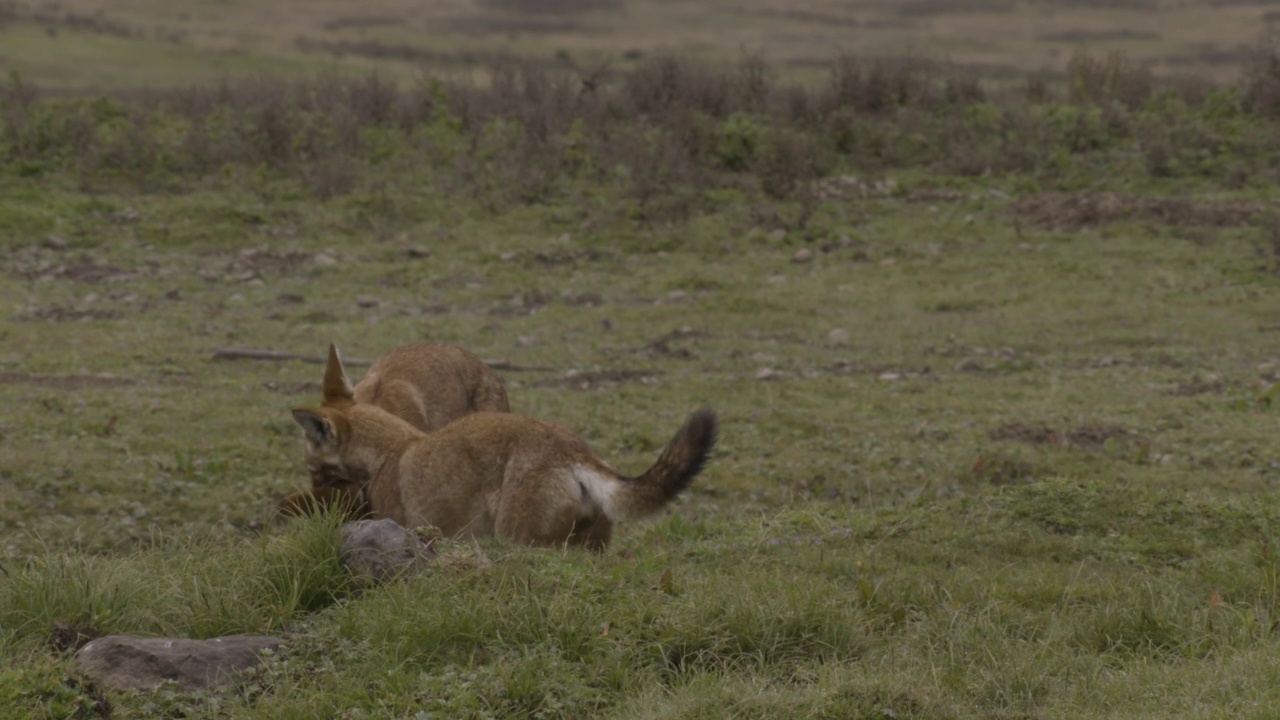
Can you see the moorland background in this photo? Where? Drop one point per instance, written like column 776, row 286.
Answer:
column 985, row 294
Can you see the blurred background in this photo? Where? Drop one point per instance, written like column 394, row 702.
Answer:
column 76, row 45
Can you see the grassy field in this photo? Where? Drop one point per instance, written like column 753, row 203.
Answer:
column 997, row 376
column 135, row 43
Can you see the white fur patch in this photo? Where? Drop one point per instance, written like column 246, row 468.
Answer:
column 599, row 490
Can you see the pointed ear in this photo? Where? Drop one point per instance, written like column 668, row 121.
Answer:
column 318, row 428
column 336, row 385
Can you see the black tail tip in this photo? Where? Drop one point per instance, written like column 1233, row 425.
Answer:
column 704, row 422
column 705, row 428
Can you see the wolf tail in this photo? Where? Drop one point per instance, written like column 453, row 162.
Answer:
column 677, row 466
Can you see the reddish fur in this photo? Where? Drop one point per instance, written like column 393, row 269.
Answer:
column 498, row 474
column 427, row 385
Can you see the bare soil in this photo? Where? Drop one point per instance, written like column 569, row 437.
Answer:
column 1075, row 211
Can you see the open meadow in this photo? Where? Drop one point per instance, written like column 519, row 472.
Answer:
column 995, row 353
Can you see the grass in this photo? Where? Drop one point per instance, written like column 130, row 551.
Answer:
column 998, row 429
column 1006, row 38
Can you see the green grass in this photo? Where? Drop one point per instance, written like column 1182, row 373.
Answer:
column 977, row 459
column 1053, row 599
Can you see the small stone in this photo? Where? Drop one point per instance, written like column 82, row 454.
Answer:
column 367, row 301
column 768, row 373
column 255, row 282
column 969, row 365
column 55, row 242
column 803, row 255
column 381, row 550
column 838, row 336
column 508, row 256
column 889, row 376
column 525, row 341
column 777, row 235
column 324, row 260
column 677, row 295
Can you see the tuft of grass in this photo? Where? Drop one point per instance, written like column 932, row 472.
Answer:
column 194, row 588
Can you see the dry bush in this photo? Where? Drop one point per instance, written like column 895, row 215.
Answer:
column 1260, row 76
column 659, row 135
column 1112, row 79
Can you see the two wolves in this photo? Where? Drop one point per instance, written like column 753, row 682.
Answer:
column 428, row 385
column 486, row 473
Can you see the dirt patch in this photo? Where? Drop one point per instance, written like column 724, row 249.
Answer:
column 39, row 264
column 531, row 301
column 258, row 262
column 66, row 382
column 601, row 379
column 1084, row 436
column 1032, row 434
column 1196, row 387
column 1085, row 36
column 1074, row 211
column 362, row 22
column 293, row 388
column 91, row 271
column 661, row 346
column 58, row 313
column 565, row 256
column 1095, row 436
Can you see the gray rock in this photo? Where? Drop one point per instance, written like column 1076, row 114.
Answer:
column 381, row 550
column 128, row 662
